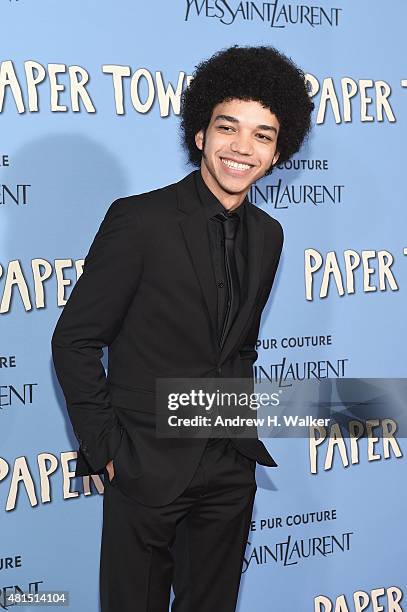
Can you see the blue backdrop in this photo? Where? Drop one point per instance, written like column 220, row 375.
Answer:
column 89, row 104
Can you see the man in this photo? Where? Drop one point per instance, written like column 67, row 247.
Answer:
column 174, row 284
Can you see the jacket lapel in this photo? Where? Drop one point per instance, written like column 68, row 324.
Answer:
column 193, row 226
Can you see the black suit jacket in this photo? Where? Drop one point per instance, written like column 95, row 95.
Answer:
column 148, row 293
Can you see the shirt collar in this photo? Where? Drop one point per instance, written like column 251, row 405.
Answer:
column 212, row 205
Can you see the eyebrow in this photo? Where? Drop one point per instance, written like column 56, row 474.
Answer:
column 263, row 126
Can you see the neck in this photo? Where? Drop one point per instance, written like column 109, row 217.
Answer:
column 230, row 201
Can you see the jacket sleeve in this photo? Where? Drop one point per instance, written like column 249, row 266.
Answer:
column 90, row 320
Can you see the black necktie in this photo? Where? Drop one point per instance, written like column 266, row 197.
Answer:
column 230, row 223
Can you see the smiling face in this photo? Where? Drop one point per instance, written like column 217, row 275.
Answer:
column 239, row 146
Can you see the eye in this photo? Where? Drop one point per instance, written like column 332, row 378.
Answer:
column 225, row 127
column 264, row 137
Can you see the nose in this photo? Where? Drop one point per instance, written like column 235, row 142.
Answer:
column 241, row 144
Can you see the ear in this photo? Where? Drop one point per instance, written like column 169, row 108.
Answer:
column 199, row 140
column 275, row 158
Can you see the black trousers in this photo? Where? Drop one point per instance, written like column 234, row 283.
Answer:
column 196, row 543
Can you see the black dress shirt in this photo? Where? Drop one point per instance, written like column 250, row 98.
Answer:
column 213, row 206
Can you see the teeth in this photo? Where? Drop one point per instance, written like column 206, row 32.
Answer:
column 235, row 165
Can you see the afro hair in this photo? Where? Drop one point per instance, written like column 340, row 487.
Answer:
column 261, row 74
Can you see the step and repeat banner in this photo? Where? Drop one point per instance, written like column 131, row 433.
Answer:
column 89, row 112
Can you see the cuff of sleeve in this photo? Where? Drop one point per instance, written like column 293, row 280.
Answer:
column 104, row 449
